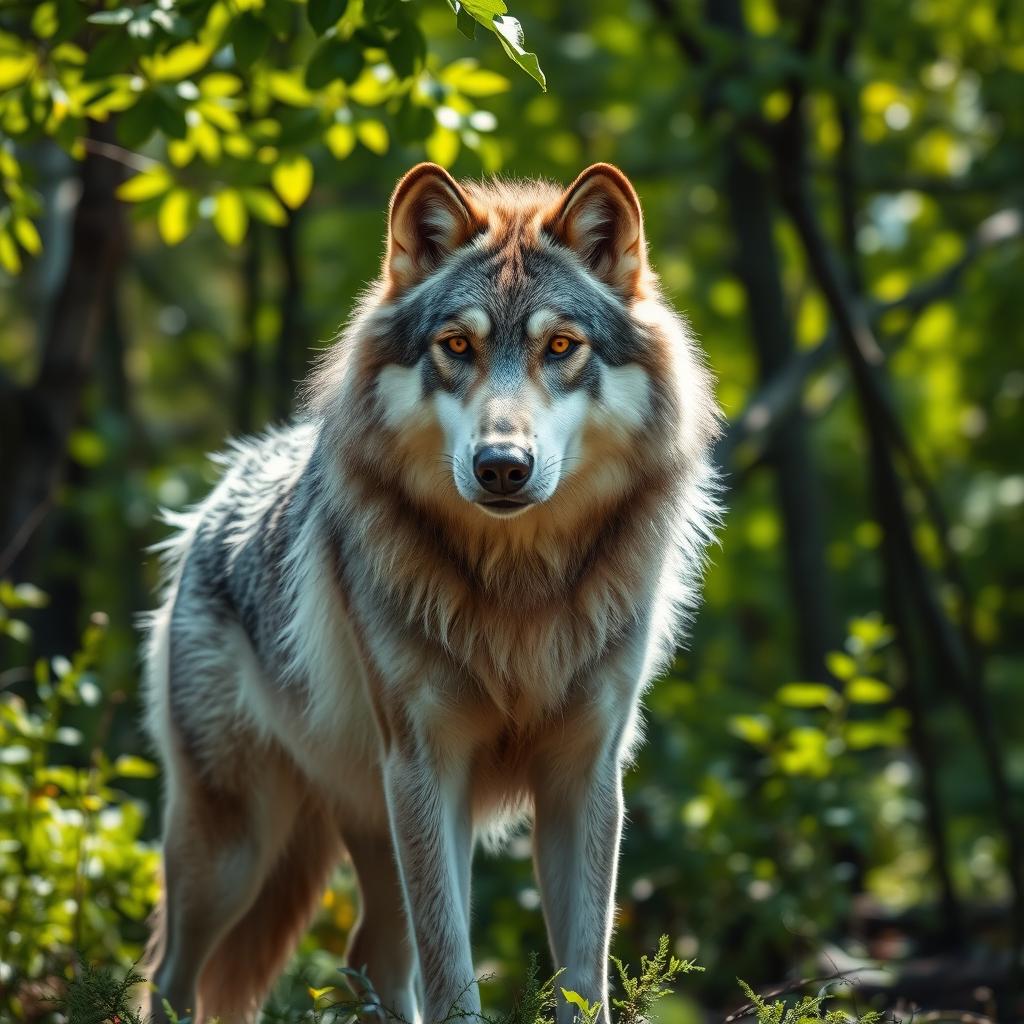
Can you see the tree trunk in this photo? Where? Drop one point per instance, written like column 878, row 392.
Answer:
column 751, row 206
column 292, row 350
column 37, row 421
column 757, row 265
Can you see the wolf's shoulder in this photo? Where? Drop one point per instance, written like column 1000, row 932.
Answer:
column 260, row 478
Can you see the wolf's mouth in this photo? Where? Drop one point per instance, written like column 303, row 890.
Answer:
column 504, row 506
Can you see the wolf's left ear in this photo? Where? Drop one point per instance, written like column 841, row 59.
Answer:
column 599, row 218
column 430, row 217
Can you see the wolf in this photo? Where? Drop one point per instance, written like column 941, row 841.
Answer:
column 428, row 609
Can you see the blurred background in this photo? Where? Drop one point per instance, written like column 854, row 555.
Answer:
column 192, row 193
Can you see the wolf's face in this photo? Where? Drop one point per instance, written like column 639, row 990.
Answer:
column 514, row 363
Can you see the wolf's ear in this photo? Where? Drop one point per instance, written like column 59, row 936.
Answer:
column 599, row 218
column 430, row 217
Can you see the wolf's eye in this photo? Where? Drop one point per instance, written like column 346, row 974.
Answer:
column 457, row 345
column 560, row 346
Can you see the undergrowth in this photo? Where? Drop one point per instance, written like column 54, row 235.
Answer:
column 102, row 996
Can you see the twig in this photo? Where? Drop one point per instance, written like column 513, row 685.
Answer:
column 954, row 1016
column 774, row 399
column 24, row 532
column 126, row 157
column 794, row 986
column 1005, row 225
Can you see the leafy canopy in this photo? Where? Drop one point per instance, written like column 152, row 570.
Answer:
column 241, row 99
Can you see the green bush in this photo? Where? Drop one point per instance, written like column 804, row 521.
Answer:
column 74, row 871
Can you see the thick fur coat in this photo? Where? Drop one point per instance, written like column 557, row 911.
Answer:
column 430, row 607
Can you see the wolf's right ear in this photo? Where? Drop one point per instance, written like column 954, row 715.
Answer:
column 599, row 218
column 430, row 217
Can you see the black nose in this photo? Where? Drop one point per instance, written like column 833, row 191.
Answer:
column 502, row 468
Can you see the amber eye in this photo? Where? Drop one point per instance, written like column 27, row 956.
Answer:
column 457, row 345
column 560, row 346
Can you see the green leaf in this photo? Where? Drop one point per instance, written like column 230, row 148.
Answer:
column 864, row 690
column 230, row 217
column 170, row 117
column 10, row 260
column 178, row 62
column 218, row 84
column 118, row 16
column 265, row 206
column 755, row 729
column 322, row 14
column 177, row 216
column 249, row 37
column 128, row 766
column 807, row 695
column 373, row 135
column 841, row 665
column 413, row 123
column 485, row 11
column 27, row 234
column 14, row 69
column 154, row 182
column 577, row 1000
column 407, row 49
column 293, row 180
column 70, row 18
column 333, row 59
column 862, row 735
column 44, row 20
column 510, row 35
column 114, row 52
column 493, row 15
column 442, row 146
column 465, row 23
column 479, row 82
column 138, row 122
column 340, row 140
column 382, row 12
column 30, row 596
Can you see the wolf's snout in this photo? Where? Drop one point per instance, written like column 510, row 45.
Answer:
column 502, row 468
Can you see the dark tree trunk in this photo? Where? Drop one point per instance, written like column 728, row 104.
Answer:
column 750, row 197
column 247, row 417
column 36, row 422
column 290, row 363
column 757, row 264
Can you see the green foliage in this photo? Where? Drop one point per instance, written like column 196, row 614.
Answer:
column 806, row 1009
column 97, row 995
column 232, row 96
column 811, row 726
column 74, row 873
column 642, row 992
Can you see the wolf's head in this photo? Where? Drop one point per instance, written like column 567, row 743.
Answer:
column 516, row 360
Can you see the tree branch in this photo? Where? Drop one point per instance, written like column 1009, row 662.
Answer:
column 753, row 428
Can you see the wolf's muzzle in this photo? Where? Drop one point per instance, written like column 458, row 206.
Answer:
column 502, row 468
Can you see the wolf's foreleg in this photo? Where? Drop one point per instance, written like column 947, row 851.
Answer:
column 433, row 837
column 576, row 846
column 381, row 942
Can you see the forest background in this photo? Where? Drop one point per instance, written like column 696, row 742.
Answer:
column 192, row 193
